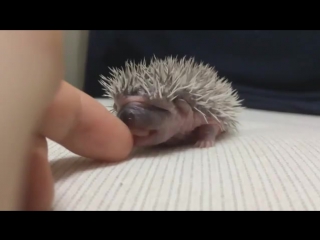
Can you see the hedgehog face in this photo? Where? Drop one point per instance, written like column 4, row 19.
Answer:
column 147, row 120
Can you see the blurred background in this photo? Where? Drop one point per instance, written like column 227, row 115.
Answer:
column 277, row 70
column 76, row 47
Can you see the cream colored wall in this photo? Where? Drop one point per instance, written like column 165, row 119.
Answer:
column 76, row 42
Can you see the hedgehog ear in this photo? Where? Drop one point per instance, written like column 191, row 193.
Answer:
column 183, row 106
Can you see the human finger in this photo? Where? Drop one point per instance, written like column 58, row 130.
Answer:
column 84, row 126
column 31, row 67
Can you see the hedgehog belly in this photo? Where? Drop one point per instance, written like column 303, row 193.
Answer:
column 180, row 139
column 195, row 129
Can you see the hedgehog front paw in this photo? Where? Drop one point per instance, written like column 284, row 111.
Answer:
column 204, row 144
column 205, row 136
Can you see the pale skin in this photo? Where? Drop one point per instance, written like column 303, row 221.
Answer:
column 35, row 104
column 167, row 123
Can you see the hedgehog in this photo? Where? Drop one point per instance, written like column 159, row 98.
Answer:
column 172, row 101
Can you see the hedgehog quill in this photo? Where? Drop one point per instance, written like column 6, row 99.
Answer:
column 172, row 102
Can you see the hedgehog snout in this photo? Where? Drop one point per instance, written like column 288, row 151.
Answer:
column 127, row 115
column 136, row 116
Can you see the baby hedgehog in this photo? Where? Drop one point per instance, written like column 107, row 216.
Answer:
column 172, row 102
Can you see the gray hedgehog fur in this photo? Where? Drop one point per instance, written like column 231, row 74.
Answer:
column 170, row 79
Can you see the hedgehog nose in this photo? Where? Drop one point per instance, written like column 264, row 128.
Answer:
column 127, row 117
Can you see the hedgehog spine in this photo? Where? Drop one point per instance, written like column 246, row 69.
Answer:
column 171, row 78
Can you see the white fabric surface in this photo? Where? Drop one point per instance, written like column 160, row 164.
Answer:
column 273, row 163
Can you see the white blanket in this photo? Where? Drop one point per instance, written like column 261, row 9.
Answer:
column 273, row 163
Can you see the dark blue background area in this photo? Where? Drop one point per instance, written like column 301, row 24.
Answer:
column 275, row 70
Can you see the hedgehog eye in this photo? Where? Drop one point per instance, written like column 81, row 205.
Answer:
column 161, row 104
column 157, row 108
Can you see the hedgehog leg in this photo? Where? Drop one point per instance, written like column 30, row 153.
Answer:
column 205, row 135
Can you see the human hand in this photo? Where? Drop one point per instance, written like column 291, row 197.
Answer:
column 82, row 125
column 43, row 106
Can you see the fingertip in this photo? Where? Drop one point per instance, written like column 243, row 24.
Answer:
column 121, row 141
column 84, row 126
